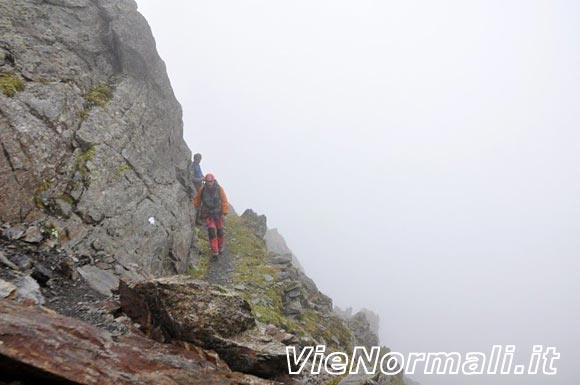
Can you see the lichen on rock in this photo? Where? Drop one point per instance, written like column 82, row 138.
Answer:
column 91, row 102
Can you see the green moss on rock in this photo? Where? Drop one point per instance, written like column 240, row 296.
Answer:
column 122, row 168
column 82, row 160
column 44, row 186
column 65, row 197
column 38, row 202
column 99, row 95
column 200, row 269
column 84, row 114
column 10, row 85
column 89, row 154
column 251, row 267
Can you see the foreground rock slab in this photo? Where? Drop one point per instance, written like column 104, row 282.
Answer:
column 39, row 346
column 180, row 308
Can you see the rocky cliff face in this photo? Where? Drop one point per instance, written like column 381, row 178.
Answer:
column 91, row 134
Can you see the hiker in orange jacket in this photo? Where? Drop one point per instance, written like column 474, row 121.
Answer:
column 211, row 199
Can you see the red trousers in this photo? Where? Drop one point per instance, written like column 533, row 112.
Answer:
column 215, row 231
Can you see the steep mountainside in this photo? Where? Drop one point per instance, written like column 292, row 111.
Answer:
column 92, row 148
column 102, row 277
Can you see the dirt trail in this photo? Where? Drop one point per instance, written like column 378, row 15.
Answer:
column 220, row 269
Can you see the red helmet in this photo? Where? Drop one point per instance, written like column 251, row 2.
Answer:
column 209, row 178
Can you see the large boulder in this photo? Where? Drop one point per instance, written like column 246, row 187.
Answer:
column 362, row 331
column 276, row 244
column 39, row 346
column 92, row 148
column 258, row 223
column 180, row 308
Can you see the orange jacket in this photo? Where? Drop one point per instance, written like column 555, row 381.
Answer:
column 223, row 197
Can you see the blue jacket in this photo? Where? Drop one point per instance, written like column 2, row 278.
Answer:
column 197, row 173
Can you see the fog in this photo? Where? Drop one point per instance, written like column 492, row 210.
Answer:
column 420, row 157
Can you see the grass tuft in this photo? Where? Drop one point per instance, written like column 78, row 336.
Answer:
column 99, row 95
column 10, row 85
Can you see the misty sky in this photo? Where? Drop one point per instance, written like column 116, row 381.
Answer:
column 420, row 157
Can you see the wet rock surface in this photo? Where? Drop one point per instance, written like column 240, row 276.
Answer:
column 39, row 346
column 92, row 148
column 184, row 309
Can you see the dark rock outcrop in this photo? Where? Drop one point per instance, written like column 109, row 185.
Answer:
column 258, row 223
column 362, row 331
column 276, row 244
column 38, row 346
column 364, row 325
column 92, row 148
column 180, row 308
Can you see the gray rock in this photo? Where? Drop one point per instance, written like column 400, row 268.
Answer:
column 103, row 265
column 101, row 280
column 67, row 269
column 6, row 289
column 293, row 308
column 15, row 232
column 180, row 308
column 28, row 289
column 281, row 259
column 33, row 235
column 23, row 261
column 63, row 208
column 5, row 261
column 258, row 223
column 119, row 270
column 283, row 276
column 292, row 287
column 308, row 282
column 293, row 293
column 276, row 244
column 69, row 3
column 361, row 328
column 67, row 351
column 121, row 158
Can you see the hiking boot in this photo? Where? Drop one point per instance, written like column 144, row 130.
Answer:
column 221, row 251
column 215, row 255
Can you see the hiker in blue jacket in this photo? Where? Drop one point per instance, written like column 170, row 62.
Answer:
column 197, row 173
column 197, row 182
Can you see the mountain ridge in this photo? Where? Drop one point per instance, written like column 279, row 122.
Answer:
column 97, row 223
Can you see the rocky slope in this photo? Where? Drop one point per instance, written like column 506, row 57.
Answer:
column 101, row 280
column 262, row 304
column 92, row 148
